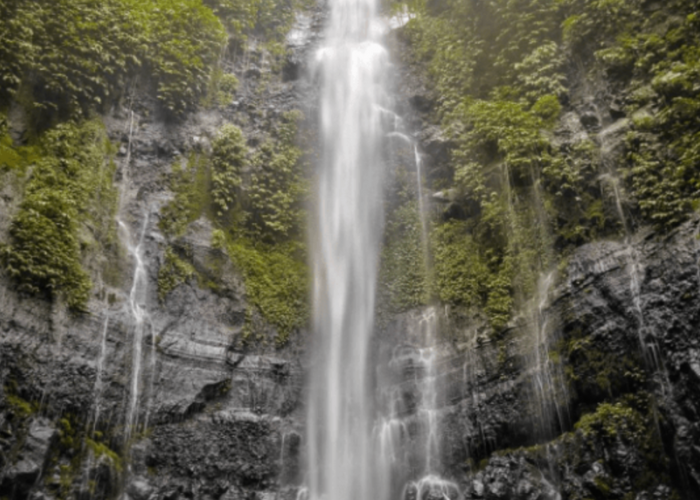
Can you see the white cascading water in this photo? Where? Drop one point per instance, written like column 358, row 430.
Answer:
column 343, row 464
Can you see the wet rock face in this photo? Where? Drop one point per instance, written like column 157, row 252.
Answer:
column 623, row 318
column 225, row 452
column 32, row 456
column 216, row 417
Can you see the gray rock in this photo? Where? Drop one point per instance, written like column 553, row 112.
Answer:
column 24, row 472
column 140, row 489
column 478, row 488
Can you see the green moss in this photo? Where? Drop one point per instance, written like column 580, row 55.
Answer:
column 613, row 421
column 191, row 185
column 461, row 275
column 403, row 275
column 22, row 408
column 276, row 282
column 67, row 432
column 70, row 188
column 100, row 449
column 12, row 157
column 173, row 272
column 467, row 276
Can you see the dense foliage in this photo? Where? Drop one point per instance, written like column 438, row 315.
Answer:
column 227, row 162
column 276, row 190
column 277, row 283
column 502, row 71
column 172, row 272
column 74, row 55
column 68, row 191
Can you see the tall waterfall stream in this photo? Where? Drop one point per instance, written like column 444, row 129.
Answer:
column 342, row 458
column 357, row 448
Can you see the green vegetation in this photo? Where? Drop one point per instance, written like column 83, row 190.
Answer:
column 72, row 452
column 190, row 184
column 276, row 281
column 73, row 56
column 501, row 79
column 222, row 89
column 227, row 162
column 13, row 158
column 403, row 276
column 100, row 449
column 611, row 421
column 270, row 18
column 254, row 200
column 654, row 51
column 172, row 273
column 275, row 190
column 597, row 375
column 496, row 105
column 21, row 408
column 69, row 190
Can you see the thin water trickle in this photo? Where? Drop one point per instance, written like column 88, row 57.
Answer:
column 421, row 203
column 551, row 392
column 697, row 253
column 100, row 369
column 634, row 268
column 136, row 303
column 139, row 314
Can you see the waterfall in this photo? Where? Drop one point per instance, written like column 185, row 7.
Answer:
column 348, row 220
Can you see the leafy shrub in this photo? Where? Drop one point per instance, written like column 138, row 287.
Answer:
column 222, row 89
column 275, row 189
column 238, row 16
column 70, row 54
column 186, row 40
column 228, row 157
column 75, row 55
column 591, row 25
column 540, row 73
column 173, row 272
column 68, row 185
